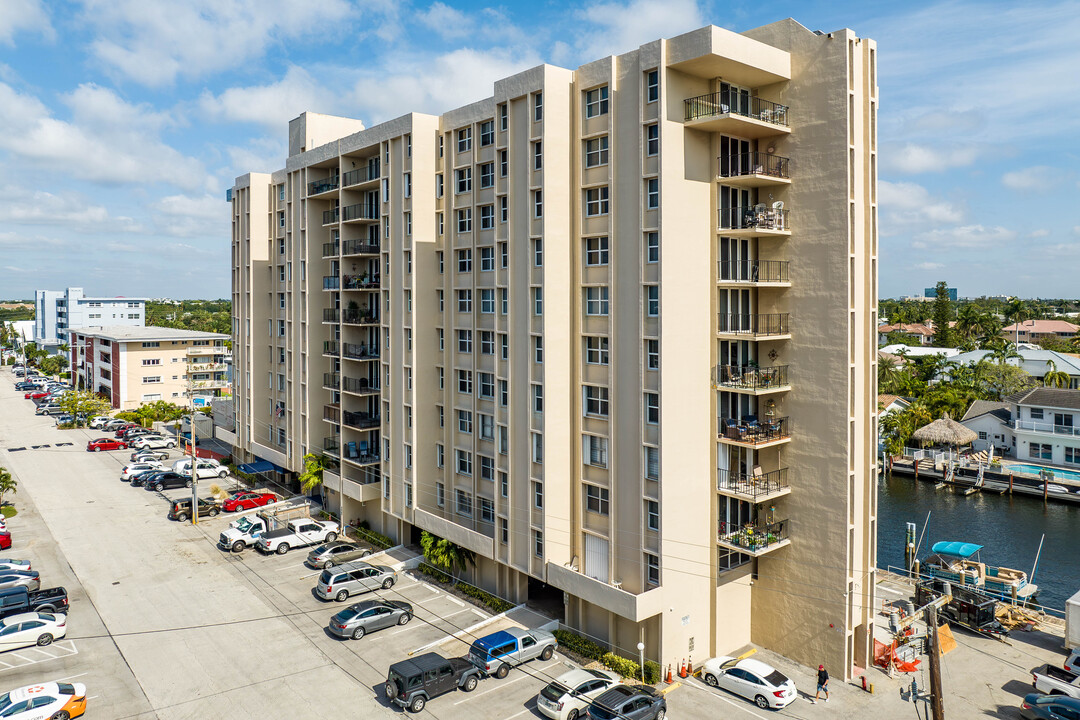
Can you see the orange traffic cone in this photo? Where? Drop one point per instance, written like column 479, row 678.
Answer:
column 682, row 669
column 669, row 678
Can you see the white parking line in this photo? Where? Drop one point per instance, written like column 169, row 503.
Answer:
column 889, row 590
column 71, row 677
column 455, row 601
column 497, row 687
column 527, row 709
column 730, row 702
column 478, row 613
column 67, row 648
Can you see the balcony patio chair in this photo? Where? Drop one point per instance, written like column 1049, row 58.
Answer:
column 731, row 428
column 778, row 214
column 350, row 451
column 363, row 448
column 760, row 482
column 751, row 421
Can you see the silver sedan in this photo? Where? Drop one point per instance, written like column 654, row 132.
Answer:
column 357, row 620
column 20, row 578
column 338, row 552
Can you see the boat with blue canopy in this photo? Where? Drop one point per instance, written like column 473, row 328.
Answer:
column 959, row 563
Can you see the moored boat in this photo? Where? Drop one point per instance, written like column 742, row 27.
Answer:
column 959, row 562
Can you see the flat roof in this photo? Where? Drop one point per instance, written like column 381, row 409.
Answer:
column 125, row 333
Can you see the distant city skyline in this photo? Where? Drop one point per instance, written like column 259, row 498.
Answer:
column 122, row 130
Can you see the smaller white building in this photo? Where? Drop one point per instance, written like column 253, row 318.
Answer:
column 991, row 419
column 57, row 312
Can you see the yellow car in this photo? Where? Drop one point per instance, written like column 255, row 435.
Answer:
column 45, row 701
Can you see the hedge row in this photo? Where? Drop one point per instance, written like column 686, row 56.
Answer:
column 375, row 538
column 578, row 645
column 495, row 603
column 434, row 573
column 589, row 650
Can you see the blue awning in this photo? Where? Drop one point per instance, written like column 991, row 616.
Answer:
column 958, row 549
column 259, row 466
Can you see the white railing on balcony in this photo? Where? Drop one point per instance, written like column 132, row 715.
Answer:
column 1045, row 427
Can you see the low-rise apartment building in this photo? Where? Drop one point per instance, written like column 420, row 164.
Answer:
column 1032, row 331
column 1045, row 423
column 135, row 365
column 611, row 328
column 58, row 312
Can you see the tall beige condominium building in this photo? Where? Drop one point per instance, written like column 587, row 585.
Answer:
column 611, row 328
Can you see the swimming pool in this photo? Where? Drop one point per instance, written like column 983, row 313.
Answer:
column 1035, row 469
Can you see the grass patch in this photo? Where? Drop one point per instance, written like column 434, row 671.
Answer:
column 8, row 511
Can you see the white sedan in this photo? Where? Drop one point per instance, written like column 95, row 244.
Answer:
column 138, row 467
column 26, row 629
column 44, row 700
column 151, row 442
column 752, row 679
column 13, row 564
column 568, row 696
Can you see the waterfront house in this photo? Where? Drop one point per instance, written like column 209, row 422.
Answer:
column 1034, row 330
column 991, row 419
column 1046, row 425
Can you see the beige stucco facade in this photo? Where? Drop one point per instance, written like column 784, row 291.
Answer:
column 611, row 328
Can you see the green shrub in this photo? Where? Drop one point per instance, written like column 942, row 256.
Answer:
column 432, row 572
column 375, row 538
column 626, row 668
column 652, row 672
column 578, row 645
column 497, row 604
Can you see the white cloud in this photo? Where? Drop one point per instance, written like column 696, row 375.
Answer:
column 966, row 237
column 108, row 139
column 448, row 22
column 272, row 105
column 1033, row 178
column 913, row 158
column 929, row 266
column 153, row 42
column 21, row 206
column 912, row 204
column 261, row 154
column 1040, row 233
column 206, row 216
column 23, row 16
column 620, row 27
column 1076, row 230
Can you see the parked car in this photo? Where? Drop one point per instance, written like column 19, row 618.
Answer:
column 412, row 683
column 299, row 532
column 1072, row 663
column 752, row 679
column 140, row 467
column 44, row 700
column 337, row 553
column 105, row 444
column 5, row 540
column 1049, row 707
column 1054, row 680
column 496, row 653
column 26, row 629
column 148, row 455
column 139, row 479
column 568, row 696
column 114, row 424
column 166, row 480
column 206, row 468
column 64, row 419
column 14, row 564
column 24, row 385
column 357, row 620
column 245, row 500
column 98, row 421
column 20, row 600
column 352, row 579
column 35, row 394
column 242, row 533
column 153, row 442
column 132, row 433
column 181, row 509
column 629, row 702
column 28, row 579
column 48, row 409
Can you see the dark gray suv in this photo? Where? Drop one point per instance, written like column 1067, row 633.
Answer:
column 626, row 702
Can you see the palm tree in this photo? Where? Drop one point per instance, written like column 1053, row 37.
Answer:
column 8, row 484
column 445, row 554
column 1004, row 352
column 312, row 476
column 1017, row 311
column 1056, row 378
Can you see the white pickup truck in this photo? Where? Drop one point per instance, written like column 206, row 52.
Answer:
column 1053, row 680
column 298, row 533
column 242, row 533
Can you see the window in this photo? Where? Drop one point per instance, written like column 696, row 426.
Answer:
column 464, row 260
column 281, row 219
column 538, row 155
column 504, row 301
column 153, row 344
column 596, row 300
column 440, row 493
column 487, row 175
column 464, row 220
column 538, row 543
column 596, row 201
column 464, row 421
column 596, row 102
column 487, row 427
column 487, row 301
column 504, row 531
column 504, row 484
column 652, row 354
column 464, row 381
column 281, row 300
column 487, row 385
column 1036, row 413
column 487, row 510
column 151, row 361
column 487, row 218
column 281, row 328
column 464, row 300
column 1072, row 455
column 439, row 185
column 537, row 447
column 281, row 243
column 652, row 139
column 538, row 107
column 538, row 301
column 652, row 247
column 408, row 464
column 652, row 300
column 538, row 252
column 504, row 115
column 487, row 342
column 487, row 133
column 596, row 350
column 149, row 380
column 652, row 463
column 439, row 454
column 464, row 341
column 504, row 214
column 596, row 400
column 1037, row 450
column 982, row 435
column 596, row 450
column 538, row 398
column 407, row 177
column 439, row 258
column 652, row 515
column 538, row 349
column 504, row 163
column 281, row 193
column 487, row 467
column 538, row 203
column 596, row 152
column 464, row 179
column 652, row 569
column 441, row 339
column 652, row 193
column 463, row 462
column 652, row 86
column 464, row 139
column 596, row 251
column 538, row 495
column 652, row 408
column 597, row 500
column 504, row 393
column 464, row 502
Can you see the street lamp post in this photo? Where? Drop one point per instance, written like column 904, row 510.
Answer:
column 641, row 653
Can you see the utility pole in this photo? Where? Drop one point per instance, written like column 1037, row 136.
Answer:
column 937, row 701
column 194, row 473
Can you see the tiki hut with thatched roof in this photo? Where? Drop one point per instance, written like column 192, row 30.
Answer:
column 945, row 431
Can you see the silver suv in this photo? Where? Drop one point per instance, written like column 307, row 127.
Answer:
column 338, row 583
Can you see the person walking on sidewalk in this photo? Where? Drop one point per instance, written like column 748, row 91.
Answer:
column 822, row 684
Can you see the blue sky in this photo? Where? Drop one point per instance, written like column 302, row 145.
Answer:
column 123, row 121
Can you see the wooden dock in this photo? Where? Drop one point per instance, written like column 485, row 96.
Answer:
column 966, row 480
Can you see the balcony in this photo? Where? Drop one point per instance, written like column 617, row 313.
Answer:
column 331, row 413
column 329, row 217
column 318, row 187
column 360, row 386
column 758, row 220
column 749, row 432
column 756, row 487
column 332, row 446
column 330, row 249
column 331, row 381
column 735, row 113
column 753, row 169
column 361, row 351
column 364, row 281
column 751, row 379
column 636, row 607
column 359, row 247
column 360, row 453
column 331, row 282
column 361, row 175
column 208, row 350
column 761, row 326
column 753, row 273
column 210, row 384
column 1047, row 428
column 362, row 421
column 754, row 539
column 360, row 211
column 331, row 348
column 355, row 316
column 206, row 367
column 331, row 315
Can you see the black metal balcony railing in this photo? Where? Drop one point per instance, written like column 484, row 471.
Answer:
column 331, row 347
column 331, row 282
column 330, row 249
column 332, row 445
column 324, row 185
column 359, row 385
column 331, row 413
column 331, row 380
column 755, row 217
column 331, row 315
column 752, row 431
column 750, row 377
column 354, row 316
column 360, row 211
column 359, row 175
column 752, row 485
column 361, row 420
column 753, row 163
column 760, row 324
column 330, row 216
column 735, row 102
column 360, row 351
column 359, row 247
column 753, row 271
column 364, row 281
column 361, row 452
column 753, row 536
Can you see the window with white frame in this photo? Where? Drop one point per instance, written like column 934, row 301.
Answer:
column 487, row 217
column 652, row 86
column 464, row 381
column 652, row 515
column 504, row 301
column 652, row 463
column 440, row 455
column 464, row 341
column 464, row 139
column 487, row 467
column 464, row 220
column 538, row 203
column 487, row 175
column 487, row 301
column 486, row 426
column 538, row 155
column 463, row 501
column 538, row 495
column 652, row 408
column 463, row 462
column 504, row 163
column 487, row 259
column 464, row 421
column 652, row 300
column 595, row 400
column 487, row 511
column 652, row 354
column 538, row 252
column 652, row 139
column 407, row 184
column 487, row 133
column 537, row 447
column 596, row 300
column 595, row 450
column 538, row 398
column 504, row 117
column 464, row 300
column 596, row 151
column 652, row 247
column 439, row 185
column 538, row 349
column 538, row 301
column 596, row 102
column 597, row 499
column 504, row 344
column 596, row 251
column 487, row 342
column 464, row 179
column 596, row 201
column 596, row 350
column 652, row 193
column 538, row 107
column 486, row 383
column 464, row 260
column 652, row 569
column 440, row 494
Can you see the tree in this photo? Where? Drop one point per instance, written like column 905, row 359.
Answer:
column 312, row 476
column 1003, row 352
column 8, row 484
column 1056, row 378
column 1016, row 312
column 81, row 402
column 53, row 364
column 942, row 316
column 445, row 554
column 1000, row 381
column 968, row 321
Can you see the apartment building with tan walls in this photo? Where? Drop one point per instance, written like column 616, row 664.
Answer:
column 611, row 328
column 135, row 365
